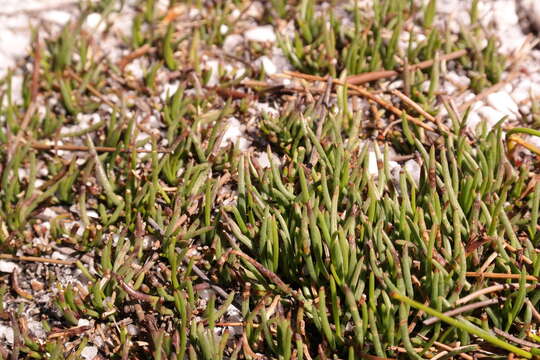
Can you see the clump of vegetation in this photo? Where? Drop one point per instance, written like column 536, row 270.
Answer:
column 317, row 242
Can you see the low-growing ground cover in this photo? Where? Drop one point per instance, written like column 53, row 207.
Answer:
column 281, row 180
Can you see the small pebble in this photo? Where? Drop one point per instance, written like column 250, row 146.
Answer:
column 89, row 352
column 7, row 266
column 231, row 42
column 413, row 169
column 503, row 102
column 267, row 65
column 261, row 34
column 83, row 322
column 36, row 285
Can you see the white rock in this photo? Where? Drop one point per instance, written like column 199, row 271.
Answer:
column 473, row 120
column 93, row 22
column 256, row 10
column 265, row 63
column 132, row 330
column 533, row 12
column 373, row 169
column 503, row 102
column 57, row 16
column 534, row 140
column 213, row 65
column 135, row 68
column 36, row 329
column 261, row 34
column 89, row 352
column 223, row 29
column 59, row 256
column 234, row 134
column 266, row 108
column 6, row 332
column 231, row 42
column 168, row 90
column 413, row 169
column 264, row 161
column 83, row 322
column 7, row 266
column 491, row 115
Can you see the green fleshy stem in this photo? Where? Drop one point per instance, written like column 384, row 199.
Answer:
column 462, row 326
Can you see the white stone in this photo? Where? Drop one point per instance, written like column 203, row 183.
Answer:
column 36, row 329
column 473, row 120
column 89, row 352
column 413, row 169
column 231, row 42
column 59, row 256
column 7, row 266
column 135, row 68
column 223, row 29
column 266, row 108
column 234, row 134
column 213, row 65
column 57, row 16
column 83, row 322
column 256, row 10
column 6, row 332
column 93, row 22
column 491, row 115
column 373, row 169
column 264, row 161
column 265, row 63
column 533, row 12
column 168, row 90
column 261, row 34
column 503, row 102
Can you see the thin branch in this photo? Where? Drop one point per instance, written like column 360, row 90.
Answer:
column 490, row 275
column 364, row 93
column 462, row 309
column 488, row 290
column 385, row 74
column 263, row 270
column 408, row 101
column 514, row 339
column 37, row 259
column 72, row 147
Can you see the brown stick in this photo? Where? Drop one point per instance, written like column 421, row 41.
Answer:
column 500, row 276
column 520, row 141
column 134, row 55
column 485, row 291
column 17, row 288
column 385, row 74
column 71, row 147
column 514, row 339
column 535, row 313
column 37, row 259
column 34, row 87
column 136, row 294
column 488, row 91
column 263, row 270
column 26, row 120
column 77, row 330
column 362, row 92
column 92, row 89
column 408, row 101
column 462, row 309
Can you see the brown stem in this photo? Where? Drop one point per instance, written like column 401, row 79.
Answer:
column 385, row 74
column 71, row 147
column 364, row 93
column 37, row 259
column 17, row 288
